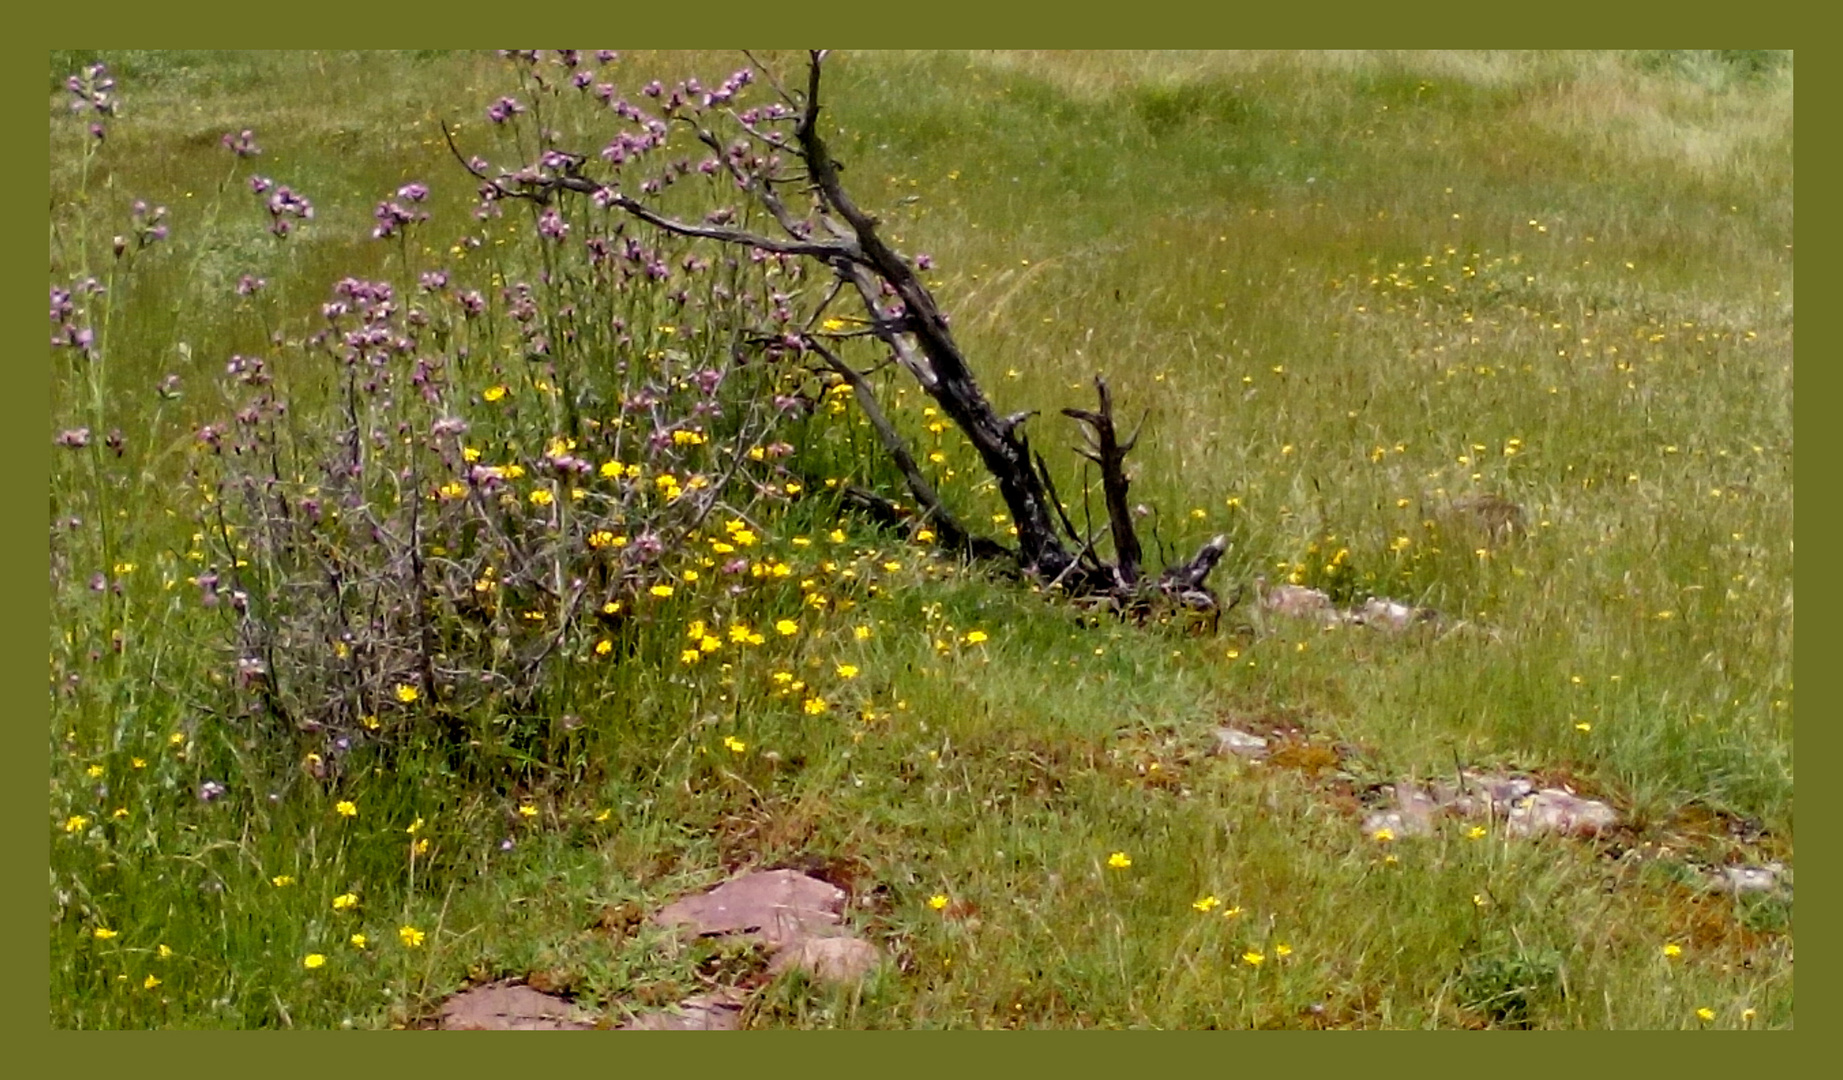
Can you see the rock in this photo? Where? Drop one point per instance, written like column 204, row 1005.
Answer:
column 776, row 907
column 1411, row 814
column 830, row 959
column 1240, row 743
column 1481, row 795
column 1748, row 879
column 509, row 1005
column 1553, row 810
column 1393, row 821
column 1389, row 614
column 1296, row 601
column 1524, row 809
column 720, row 1011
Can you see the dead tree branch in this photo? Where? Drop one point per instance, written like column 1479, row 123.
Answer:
column 1106, row 450
column 902, row 313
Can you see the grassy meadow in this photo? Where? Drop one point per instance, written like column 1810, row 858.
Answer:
column 1349, row 292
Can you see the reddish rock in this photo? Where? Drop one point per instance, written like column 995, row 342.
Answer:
column 829, row 959
column 511, row 1006
column 775, row 907
column 721, row 1011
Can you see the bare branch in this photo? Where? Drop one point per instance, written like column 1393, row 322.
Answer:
column 772, row 79
column 816, row 250
column 456, row 151
column 1111, row 457
column 951, row 530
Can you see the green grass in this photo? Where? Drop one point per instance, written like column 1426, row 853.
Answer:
column 1345, row 289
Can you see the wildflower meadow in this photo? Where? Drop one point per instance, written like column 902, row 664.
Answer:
column 1139, row 540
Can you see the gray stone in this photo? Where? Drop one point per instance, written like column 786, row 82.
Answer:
column 1240, row 743
column 1389, row 614
column 1748, row 879
column 1552, row 810
column 1296, row 601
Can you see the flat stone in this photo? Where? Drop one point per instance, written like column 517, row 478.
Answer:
column 1552, row 810
column 1240, row 743
column 1412, row 810
column 1389, row 614
column 776, row 907
column 1299, row 602
column 831, row 959
column 511, row 1006
column 1748, row 879
column 1398, row 824
column 721, row 1011
column 1481, row 794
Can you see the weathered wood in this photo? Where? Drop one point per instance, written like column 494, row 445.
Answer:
column 841, row 235
column 1106, row 450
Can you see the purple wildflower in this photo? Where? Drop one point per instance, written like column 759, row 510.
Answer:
column 504, row 109
column 242, row 144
